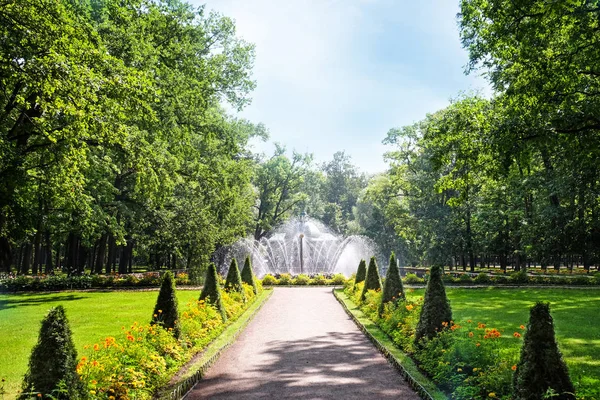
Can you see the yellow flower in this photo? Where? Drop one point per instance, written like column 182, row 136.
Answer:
column 160, row 311
column 492, row 394
column 92, row 392
column 475, row 369
column 459, row 370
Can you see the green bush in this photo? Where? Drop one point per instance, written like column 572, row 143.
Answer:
column 285, row 279
column 541, row 370
column 300, row 280
column 318, row 279
column 413, row 279
column 248, row 275
column 520, row 277
column 361, row 272
column 269, row 280
column 465, row 279
column 436, row 313
column 372, row 280
column 234, row 279
column 211, row 293
column 338, row 279
column 482, row 277
column 166, row 312
column 53, row 362
column 393, row 291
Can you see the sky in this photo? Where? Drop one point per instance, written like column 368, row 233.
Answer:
column 337, row 75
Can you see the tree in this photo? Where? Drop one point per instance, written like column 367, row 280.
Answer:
column 372, row 279
column 166, row 311
column 436, row 313
column 361, row 272
column 248, row 274
column 278, row 181
column 53, row 361
column 211, row 292
column 234, row 280
column 541, row 368
column 392, row 287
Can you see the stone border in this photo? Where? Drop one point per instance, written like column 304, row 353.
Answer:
column 180, row 390
column 414, row 382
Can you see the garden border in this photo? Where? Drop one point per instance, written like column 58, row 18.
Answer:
column 180, row 390
column 393, row 354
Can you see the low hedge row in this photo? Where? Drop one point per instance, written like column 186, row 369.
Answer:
column 21, row 283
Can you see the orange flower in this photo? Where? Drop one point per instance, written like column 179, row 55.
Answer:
column 469, row 321
column 477, row 344
column 96, row 347
column 444, row 324
column 409, row 307
column 522, row 327
column 131, row 338
column 514, row 367
column 470, row 334
column 480, row 325
column 517, row 335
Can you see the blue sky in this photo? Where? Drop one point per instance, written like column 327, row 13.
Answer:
column 338, row 74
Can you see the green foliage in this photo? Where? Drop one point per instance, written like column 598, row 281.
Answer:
column 372, row 279
column 541, row 367
column 436, row 313
column 393, row 291
column 166, row 312
column 361, row 272
column 234, row 279
column 211, row 292
column 248, row 275
column 269, row 280
column 413, row 279
column 301, row 280
column 53, row 361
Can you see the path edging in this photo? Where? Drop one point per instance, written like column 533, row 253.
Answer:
column 388, row 349
column 181, row 389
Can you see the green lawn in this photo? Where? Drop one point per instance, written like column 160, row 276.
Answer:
column 93, row 316
column 576, row 315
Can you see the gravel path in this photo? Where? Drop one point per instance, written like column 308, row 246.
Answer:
column 302, row 345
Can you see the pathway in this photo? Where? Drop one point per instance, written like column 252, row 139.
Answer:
column 302, row 345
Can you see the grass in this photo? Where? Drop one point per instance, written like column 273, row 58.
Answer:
column 92, row 316
column 575, row 313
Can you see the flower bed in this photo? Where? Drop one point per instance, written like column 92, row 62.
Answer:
column 145, row 357
column 469, row 360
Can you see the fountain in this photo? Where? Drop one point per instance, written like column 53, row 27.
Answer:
column 302, row 245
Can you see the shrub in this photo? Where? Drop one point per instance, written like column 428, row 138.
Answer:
column 165, row 311
column 519, row 277
column 234, row 279
column 372, row 280
column 541, row 370
column 436, row 313
column 269, row 280
column 248, row 275
column 482, row 277
column 338, row 279
column 212, row 292
column 53, row 362
column 285, row 279
column 413, row 279
column 465, row 278
column 392, row 288
column 318, row 279
column 361, row 272
column 301, row 279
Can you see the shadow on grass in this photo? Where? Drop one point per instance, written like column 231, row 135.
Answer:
column 334, row 366
column 24, row 300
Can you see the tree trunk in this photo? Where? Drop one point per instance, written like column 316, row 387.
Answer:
column 26, row 259
column 48, row 249
column 111, row 254
column 100, row 254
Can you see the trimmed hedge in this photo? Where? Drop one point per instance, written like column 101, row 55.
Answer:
column 372, row 281
column 234, row 279
column 53, row 362
column 248, row 274
column 166, row 312
column 211, row 293
column 393, row 290
column 436, row 313
column 361, row 272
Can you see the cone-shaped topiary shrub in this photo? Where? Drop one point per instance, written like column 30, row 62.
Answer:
column 436, row 308
column 392, row 287
column 234, row 279
column 248, row 274
column 541, row 369
column 166, row 312
column 211, row 292
column 53, row 361
column 361, row 272
column 372, row 280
